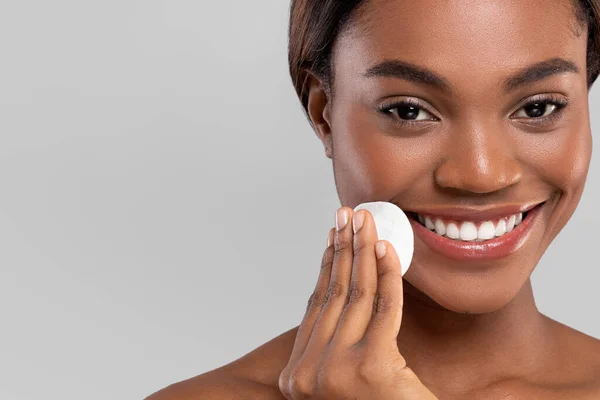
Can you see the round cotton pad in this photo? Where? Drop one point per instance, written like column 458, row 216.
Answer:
column 392, row 225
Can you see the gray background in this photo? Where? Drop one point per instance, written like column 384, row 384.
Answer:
column 156, row 169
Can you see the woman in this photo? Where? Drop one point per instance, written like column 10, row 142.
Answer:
column 473, row 117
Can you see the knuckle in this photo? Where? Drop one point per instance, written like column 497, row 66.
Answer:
column 356, row 294
column 342, row 246
column 382, row 303
column 367, row 371
column 385, row 303
column 298, row 384
column 283, row 382
column 329, row 382
column 333, row 378
column 315, row 301
column 335, row 291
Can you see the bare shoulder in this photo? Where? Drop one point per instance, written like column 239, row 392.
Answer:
column 578, row 357
column 252, row 376
column 571, row 370
column 581, row 348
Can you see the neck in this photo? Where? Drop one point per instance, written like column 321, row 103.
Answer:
column 458, row 351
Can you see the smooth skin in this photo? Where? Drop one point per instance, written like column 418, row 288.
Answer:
column 468, row 330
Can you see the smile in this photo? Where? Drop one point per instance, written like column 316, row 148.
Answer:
column 471, row 230
column 468, row 235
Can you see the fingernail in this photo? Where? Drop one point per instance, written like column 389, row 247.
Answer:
column 358, row 220
column 380, row 249
column 341, row 219
column 330, row 238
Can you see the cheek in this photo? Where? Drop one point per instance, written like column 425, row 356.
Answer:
column 375, row 163
column 561, row 157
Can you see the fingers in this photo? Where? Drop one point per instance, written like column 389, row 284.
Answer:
column 358, row 297
column 315, row 301
column 339, row 281
column 363, row 282
column 387, row 311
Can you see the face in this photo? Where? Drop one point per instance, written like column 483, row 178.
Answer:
column 434, row 109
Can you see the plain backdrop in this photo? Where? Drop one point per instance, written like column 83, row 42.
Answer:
column 164, row 204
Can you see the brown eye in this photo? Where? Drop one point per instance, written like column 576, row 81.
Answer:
column 408, row 111
column 538, row 110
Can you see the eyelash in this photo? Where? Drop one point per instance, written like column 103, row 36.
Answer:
column 560, row 104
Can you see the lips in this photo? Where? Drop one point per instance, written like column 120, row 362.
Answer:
column 475, row 249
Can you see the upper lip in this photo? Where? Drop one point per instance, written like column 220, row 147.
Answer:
column 475, row 213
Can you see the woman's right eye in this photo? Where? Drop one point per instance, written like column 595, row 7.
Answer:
column 407, row 112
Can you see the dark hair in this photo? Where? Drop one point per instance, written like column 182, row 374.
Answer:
column 315, row 25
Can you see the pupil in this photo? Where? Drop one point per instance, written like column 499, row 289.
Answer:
column 535, row 110
column 408, row 112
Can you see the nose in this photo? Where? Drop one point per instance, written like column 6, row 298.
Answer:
column 479, row 160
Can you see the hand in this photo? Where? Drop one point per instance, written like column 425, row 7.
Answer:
column 346, row 345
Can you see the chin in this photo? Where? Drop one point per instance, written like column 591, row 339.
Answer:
column 474, row 300
column 484, row 288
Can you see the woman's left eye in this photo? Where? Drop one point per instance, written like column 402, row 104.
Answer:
column 538, row 110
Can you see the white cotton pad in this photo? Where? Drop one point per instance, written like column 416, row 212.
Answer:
column 392, row 225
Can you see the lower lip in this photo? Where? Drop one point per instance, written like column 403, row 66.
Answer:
column 492, row 249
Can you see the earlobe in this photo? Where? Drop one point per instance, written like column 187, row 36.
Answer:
column 319, row 111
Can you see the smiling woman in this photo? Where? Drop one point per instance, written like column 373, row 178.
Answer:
column 473, row 117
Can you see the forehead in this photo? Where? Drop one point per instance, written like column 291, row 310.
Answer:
column 475, row 41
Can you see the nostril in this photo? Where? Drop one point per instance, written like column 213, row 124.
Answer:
column 478, row 172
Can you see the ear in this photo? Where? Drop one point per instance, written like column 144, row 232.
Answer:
column 319, row 111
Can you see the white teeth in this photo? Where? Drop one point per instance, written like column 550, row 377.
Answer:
column 468, row 231
column 501, row 227
column 429, row 224
column 452, row 231
column 486, row 231
column 510, row 225
column 519, row 218
column 440, row 227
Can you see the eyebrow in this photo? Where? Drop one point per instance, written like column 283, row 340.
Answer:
column 421, row 75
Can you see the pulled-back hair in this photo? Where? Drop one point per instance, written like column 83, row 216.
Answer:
column 315, row 25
